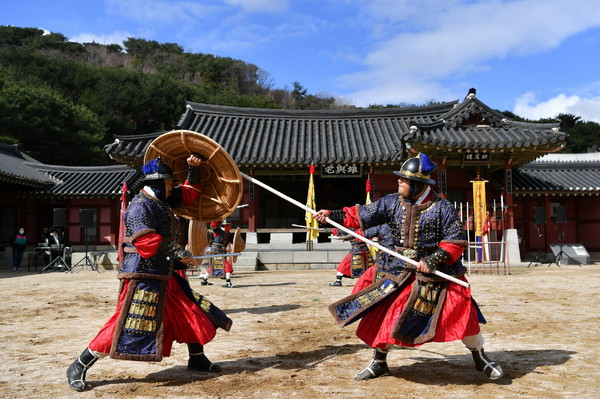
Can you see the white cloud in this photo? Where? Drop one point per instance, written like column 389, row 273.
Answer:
column 240, row 33
column 161, row 12
column 260, row 5
column 445, row 43
column 588, row 108
column 165, row 12
column 111, row 38
column 215, row 26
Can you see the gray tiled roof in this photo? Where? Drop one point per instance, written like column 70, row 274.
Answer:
column 292, row 137
column 84, row 181
column 564, row 173
column 130, row 149
column 39, row 180
column 483, row 137
column 14, row 168
column 275, row 137
column 490, row 130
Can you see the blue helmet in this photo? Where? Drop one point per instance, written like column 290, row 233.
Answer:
column 157, row 170
column 417, row 168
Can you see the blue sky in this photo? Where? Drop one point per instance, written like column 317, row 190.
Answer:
column 536, row 58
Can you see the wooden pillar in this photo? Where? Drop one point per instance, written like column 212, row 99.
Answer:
column 549, row 226
column 253, row 201
column 115, row 217
column 508, row 215
column 443, row 179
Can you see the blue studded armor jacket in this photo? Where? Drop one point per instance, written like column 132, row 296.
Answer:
column 220, row 241
column 146, row 214
column 384, row 238
column 417, row 230
column 358, row 246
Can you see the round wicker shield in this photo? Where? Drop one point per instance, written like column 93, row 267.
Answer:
column 197, row 239
column 220, row 179
column 238, row 244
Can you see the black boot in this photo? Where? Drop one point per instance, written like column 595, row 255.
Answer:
column 337, row 282
column 229, row 284
column 377, row 368
column 76, row 371
column 199, row 361
column 483, row 363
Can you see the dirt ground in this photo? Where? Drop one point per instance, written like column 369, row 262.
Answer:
column 542, row 329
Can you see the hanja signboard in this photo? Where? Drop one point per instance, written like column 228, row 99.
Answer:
column 341, row 170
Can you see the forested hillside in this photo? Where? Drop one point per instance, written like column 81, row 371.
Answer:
column 61, row 101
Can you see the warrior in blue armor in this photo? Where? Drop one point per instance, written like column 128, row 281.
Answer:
column 399, row 304
column 156, row 305
column 383, row 259
column 356, row 261
column 220, row 266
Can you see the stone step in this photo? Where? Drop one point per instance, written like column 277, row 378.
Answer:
column 247, row 261
column 289, row 260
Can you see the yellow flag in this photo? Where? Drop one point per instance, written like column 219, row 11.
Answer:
column 479, row 205
column 311, row 234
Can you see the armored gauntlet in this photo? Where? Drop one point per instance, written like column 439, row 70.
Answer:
column 436, row 259
column 173, row 250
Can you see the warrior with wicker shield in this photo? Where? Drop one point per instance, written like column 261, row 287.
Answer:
column 408, row 306
column 219, row 266
column 156, row 305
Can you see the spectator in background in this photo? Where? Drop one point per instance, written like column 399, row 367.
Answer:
column 19, row 243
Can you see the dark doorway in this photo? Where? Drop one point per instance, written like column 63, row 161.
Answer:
column 330, row 193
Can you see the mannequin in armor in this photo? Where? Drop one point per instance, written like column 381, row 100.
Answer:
column 422, row 307
column 156, row 305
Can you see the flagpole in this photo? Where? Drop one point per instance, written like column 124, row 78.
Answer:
column 311, row 235
column 352, row 233
column 120, row 250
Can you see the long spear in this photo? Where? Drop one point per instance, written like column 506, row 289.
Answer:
column 358, row 236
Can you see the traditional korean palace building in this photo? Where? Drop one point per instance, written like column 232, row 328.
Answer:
column 527, row 180
column 37, row 196
column 468, row 140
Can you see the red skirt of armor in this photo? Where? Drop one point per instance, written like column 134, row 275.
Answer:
column 184, row 321
column 345, row 266
column 458, row 319
column 228, row 265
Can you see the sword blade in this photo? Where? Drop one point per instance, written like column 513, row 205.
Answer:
column 308, row 228
column 216, row 255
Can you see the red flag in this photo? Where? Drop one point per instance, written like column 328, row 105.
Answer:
column 122, row 222
column 368, row 190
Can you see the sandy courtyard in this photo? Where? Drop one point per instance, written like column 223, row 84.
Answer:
column 542, row 328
